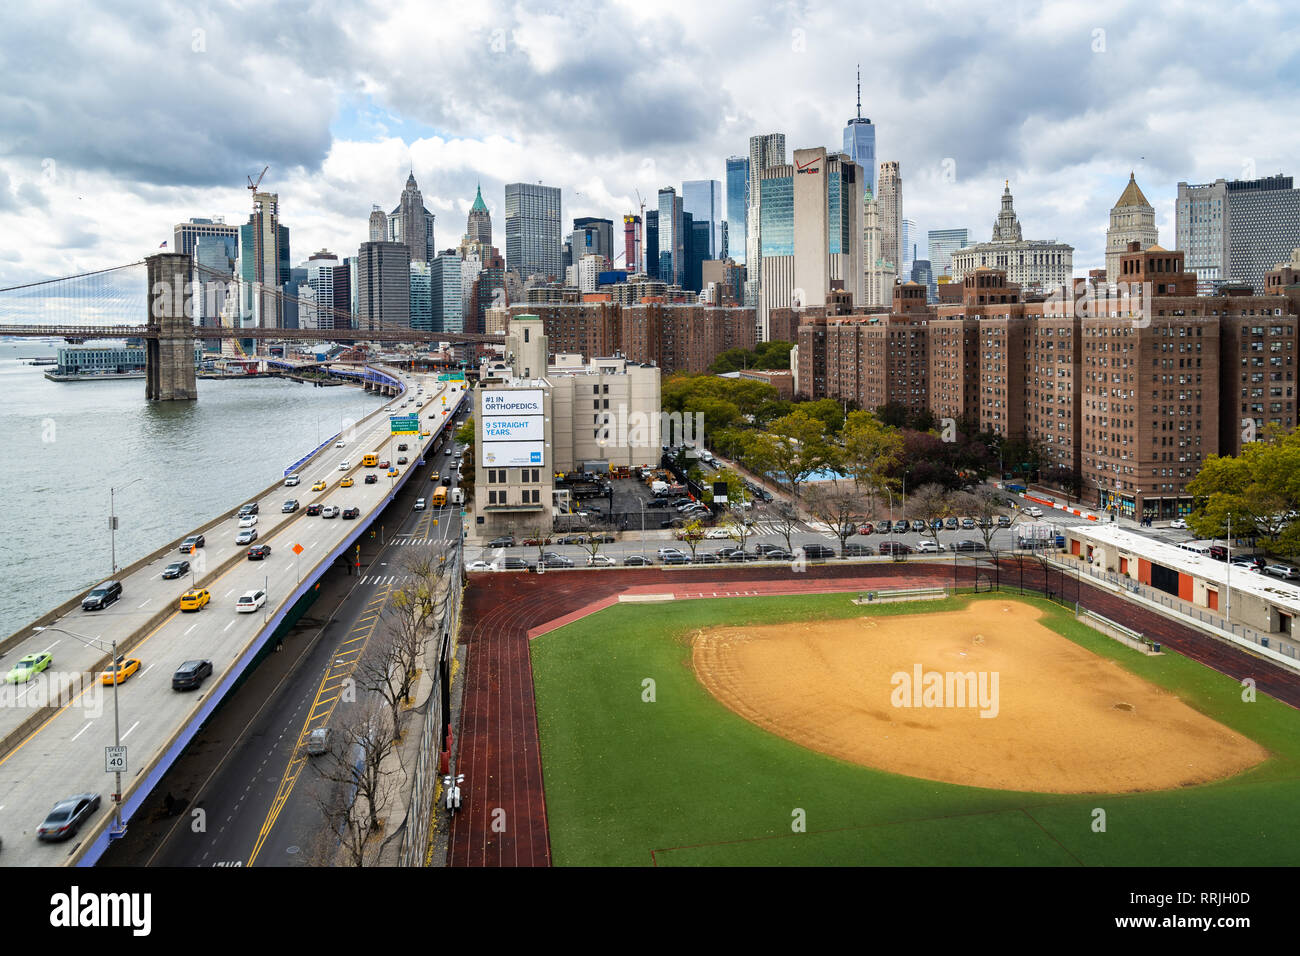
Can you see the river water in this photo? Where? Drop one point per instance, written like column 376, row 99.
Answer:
column 63, row 445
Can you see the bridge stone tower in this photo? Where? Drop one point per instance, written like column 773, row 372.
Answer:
column 169, row 358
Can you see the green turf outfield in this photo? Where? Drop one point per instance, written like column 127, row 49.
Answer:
column 684, row 781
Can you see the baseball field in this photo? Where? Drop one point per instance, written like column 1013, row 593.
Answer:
column 981, row 729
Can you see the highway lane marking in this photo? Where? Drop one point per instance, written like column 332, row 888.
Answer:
column 51, row 647
column 227, row 627
column 89, row 724
column 228, row 593
column 351, row 639
column 147, row 600
column 128, row 733
column 190, row 628
column 147, row 669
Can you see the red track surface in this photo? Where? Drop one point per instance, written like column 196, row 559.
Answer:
column 499, row 751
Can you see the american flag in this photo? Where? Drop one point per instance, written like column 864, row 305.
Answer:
column 163, row 245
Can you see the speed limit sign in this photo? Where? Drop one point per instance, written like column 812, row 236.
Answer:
column 115, row 759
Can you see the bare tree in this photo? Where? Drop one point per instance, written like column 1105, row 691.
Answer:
column 738, row 531
column 361, row 792
column 982, row 505
column 785, row 519
column 842, row 509
column 931, row 503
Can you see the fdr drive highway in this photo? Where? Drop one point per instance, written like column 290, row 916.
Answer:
column 56, row 727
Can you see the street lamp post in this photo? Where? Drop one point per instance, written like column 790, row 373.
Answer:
column 112, row 520
column 118, row 829
column 1228, row 587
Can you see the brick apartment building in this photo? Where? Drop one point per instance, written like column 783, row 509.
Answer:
column 1130, row 394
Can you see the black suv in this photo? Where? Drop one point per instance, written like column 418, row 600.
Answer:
column 191, row 674
column 102, row 596
column 402, row 447
column 515, row 564
column 817, row 552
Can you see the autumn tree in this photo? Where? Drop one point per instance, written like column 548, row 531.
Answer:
column 842, row 509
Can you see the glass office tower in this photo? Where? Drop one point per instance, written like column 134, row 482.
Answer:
column 533, row 234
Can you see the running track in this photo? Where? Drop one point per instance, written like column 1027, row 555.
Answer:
column 499, row 752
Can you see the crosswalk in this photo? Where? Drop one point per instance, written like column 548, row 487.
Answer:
column 380, row 580
column 802, row 527
column 418, row 542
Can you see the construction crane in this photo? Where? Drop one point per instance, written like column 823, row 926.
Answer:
column 253, row 186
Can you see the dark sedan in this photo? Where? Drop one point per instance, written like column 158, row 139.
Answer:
column 176, row 569
column 313, row 510
column 967, row 544
column 350, row 513
column 289, row 506
column 858, row 551
column 193, row 541
column 67, row 816
column 636, row 561
column 817, row 552
column 258, row 551
column 371, row 478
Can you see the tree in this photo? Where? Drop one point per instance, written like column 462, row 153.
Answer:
column 931, row 503
column 362, row 787
column 692, row 534
column 871, row 450
column 844, row 510
column 465, row 434
column 735, row 485
column 794, row 447
column 738, row 530
column 785, row 519
column 983, row 505
column 827, row 411
column 1260, row 488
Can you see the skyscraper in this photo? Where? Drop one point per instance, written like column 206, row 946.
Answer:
column 702, row 198
column 910, row 235
column 1132, row 219
column 697, row 236
column 1036, row 265
column 860, row 142
column 187, row 234
column 737, row 202
column 384, row 285
column 1237, row 230
column 891, row 212
column 632, row 243
column 446, row 297
column 765, row 152
column 378, row 231
column 672, row 242
column 263, row 264
column 411, row 224
column 942, row 244
column 880, row 271
column 421, row 315
column 592, row 237
column 651, row 244
column 478, row 227
column 533, row 241
column 318, row 313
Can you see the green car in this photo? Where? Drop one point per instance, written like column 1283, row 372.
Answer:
column 29, row 667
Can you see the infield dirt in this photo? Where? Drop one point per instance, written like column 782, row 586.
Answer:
column 1060, row 719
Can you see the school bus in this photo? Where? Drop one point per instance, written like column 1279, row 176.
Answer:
column 440, row 497
column 370, row 461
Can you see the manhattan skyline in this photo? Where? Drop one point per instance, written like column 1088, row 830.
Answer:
column 119, row 124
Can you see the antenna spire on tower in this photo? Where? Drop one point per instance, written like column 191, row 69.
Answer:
column 859, row 91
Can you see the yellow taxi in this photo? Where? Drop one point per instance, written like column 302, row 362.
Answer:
column 319, row 486
column 195, row 600
column 120, row 671
column 393, row 472
column 425, row 434
column 346, row 483
column 435, row 476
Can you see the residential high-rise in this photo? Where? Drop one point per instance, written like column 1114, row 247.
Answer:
column 1132, row 219
column 1035, row 265
column 384, row 285
column 890, row 197
column 672, row 242
column 478, row 225
column 632, row 243
column 446, row 298
column 765, row 152
column 942, row 244
column 1237, row 230
column 737, row 202
column 533, row 241
column 860, row 142
column 318, row 313
column 702, row 198
column 410, row 223
column 263, row 264
column 592, row 237
column 187, row 234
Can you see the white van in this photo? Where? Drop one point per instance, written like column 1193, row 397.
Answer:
column 457, row 496
column 419, row 504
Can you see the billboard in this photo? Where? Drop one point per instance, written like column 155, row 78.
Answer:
column 521, row 402
column 513, row 454
column 516, row 428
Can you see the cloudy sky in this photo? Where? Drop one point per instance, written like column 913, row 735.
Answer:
column 116, row 124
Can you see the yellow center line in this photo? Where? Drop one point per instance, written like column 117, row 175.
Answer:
column 293, row 769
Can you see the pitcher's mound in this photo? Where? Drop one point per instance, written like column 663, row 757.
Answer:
column 905, row 694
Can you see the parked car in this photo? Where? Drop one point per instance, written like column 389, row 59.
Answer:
column 176, row 569
column 313, row 509
column 867, row 528
column 318, row 742
column 817, row 552
column 1178, row 523
column 968, row 524
column 636, row 561
column 190, row 543
column 289, row 507
column 1004, row 521
column 917, row 525
column 28, row 667
column 706, row 557
column 1034, row 511
column 250, row 601
column 351, row 513
column 895, row 547
column 481, row 566
column 573, row 539
column 552, row 560
column 968, row 544
column 67, row 816
column 246, row 536
column 1245, row 566
column 602, row 537
column 515, row 564
column 858, row 551
column 952, row 524
column 929, row 547
column 884, row 527
column 191, row 674
column 195, row 599
column 506, row 541
column 1283, row 571
column 291, row 480
column 600, row 561
column 777, row 554
column 677, row 558
column 102, row 596
column 258, row 552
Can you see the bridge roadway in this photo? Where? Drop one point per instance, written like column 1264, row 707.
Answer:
column 64, row 755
